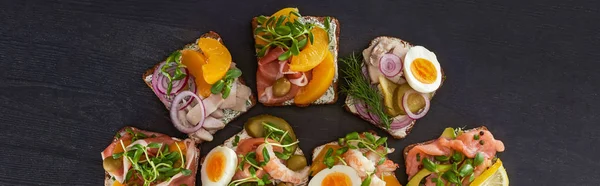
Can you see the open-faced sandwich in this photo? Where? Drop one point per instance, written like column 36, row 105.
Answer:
column 137, row 157
column 205, row 85
column 356, row 159
column 392, row 84
column 297, row 58
column 264, row 153
column 457, row 157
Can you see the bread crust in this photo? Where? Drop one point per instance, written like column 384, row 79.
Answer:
column 411, row 125
column 254, row 24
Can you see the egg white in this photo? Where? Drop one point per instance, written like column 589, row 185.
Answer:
column 421, row 52
column 228, row 172
column 347, row 170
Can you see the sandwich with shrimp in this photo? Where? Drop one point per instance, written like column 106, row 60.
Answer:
column 391, row 84
column 138, row 157
column 355, row 159
column 201, row 87
column 265, row 152
column 457, row 157
column 297, row 58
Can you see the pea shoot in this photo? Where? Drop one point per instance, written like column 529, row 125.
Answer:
column 224, row 85
column 173, row 61
column 285, row 32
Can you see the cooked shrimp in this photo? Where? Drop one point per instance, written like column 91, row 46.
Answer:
column 278, row 170
column 360, row 163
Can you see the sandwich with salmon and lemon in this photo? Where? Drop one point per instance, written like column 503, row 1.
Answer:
column 297, row 58
column 391, row 84
column 457, row 157
column 355, row 159
column 201, row 87
column 265, row 152
column 138, row 157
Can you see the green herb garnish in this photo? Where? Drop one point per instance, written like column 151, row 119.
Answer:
column 155, row 169
column 236, row 140
column 291, row 35
column 224, row 85
column 174, row 60
column 359, row 89
column 355, row 141
column 476, row 137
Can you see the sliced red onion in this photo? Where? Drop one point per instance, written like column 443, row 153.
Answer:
column 283, row 69
column 192, row 88
column 406, row 108
column 174, row 109
column 362, row 111
column 162, row 83
column 390, row 65
column 400, row 122
column 365, row 72
column 301, row 81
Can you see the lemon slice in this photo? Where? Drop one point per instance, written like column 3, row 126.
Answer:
column 494, row 176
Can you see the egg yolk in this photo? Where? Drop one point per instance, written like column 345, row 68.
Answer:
column 423, row 70
column 215, row 166
column 336, row 179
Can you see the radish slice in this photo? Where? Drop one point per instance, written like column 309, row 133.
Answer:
column 406, row 108
column 400, row 122
column 390, row 65
column 175, row 117
column 301, row 81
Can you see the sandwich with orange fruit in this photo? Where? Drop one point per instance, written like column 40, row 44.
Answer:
column 138, row 157
column 201, row 86
column 391, row 84
column 457, row 157
column 355, row 159
column 297, row 58
column 265, row 152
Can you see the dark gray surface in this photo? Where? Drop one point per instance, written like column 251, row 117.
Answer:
column 71, row 78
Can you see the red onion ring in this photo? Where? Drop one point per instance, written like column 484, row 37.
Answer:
column 160, row 82
column 390, row 65
column 362, row 111
column 175, row 118
column 301, row 81
column 192, row 88
column 400, row 122
column 406, row 108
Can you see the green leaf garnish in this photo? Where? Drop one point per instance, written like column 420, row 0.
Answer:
column 429, row 165
column 367, row 181
column 236, row 140
column 217, row 87
column 478, row 159
column 359, row 89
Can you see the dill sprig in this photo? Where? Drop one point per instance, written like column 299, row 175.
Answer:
column 359, row 89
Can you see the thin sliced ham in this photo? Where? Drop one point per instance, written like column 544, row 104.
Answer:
column 191, row 156
column 243, row 91
column 240, row 105
column 212, row 103
column 218, row 114
column 230, row 101
column 202, row 134
column 269, row 98
column 213, row 123
column 271, row 55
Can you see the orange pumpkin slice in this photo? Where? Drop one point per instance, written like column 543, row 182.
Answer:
column 322, row 77
column 218, row 59
column 313, row 53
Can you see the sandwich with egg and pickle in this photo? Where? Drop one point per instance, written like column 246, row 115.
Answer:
column 457, row 157
column 355, row 159
column 297, row 58
column 201, row 87
column 265, row 152
column 138, row 157
column 391, row 83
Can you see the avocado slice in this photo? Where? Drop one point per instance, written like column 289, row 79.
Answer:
column 449, row 133
column 416, row 179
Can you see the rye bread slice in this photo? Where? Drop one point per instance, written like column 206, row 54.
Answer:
column 147, row 78
column 397, row 133
column 244, row 135
column 107, row 178
column 331, row 96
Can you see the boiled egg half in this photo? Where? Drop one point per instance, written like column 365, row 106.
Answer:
column 422, row 70
column 218, row 167
column 339, row 175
